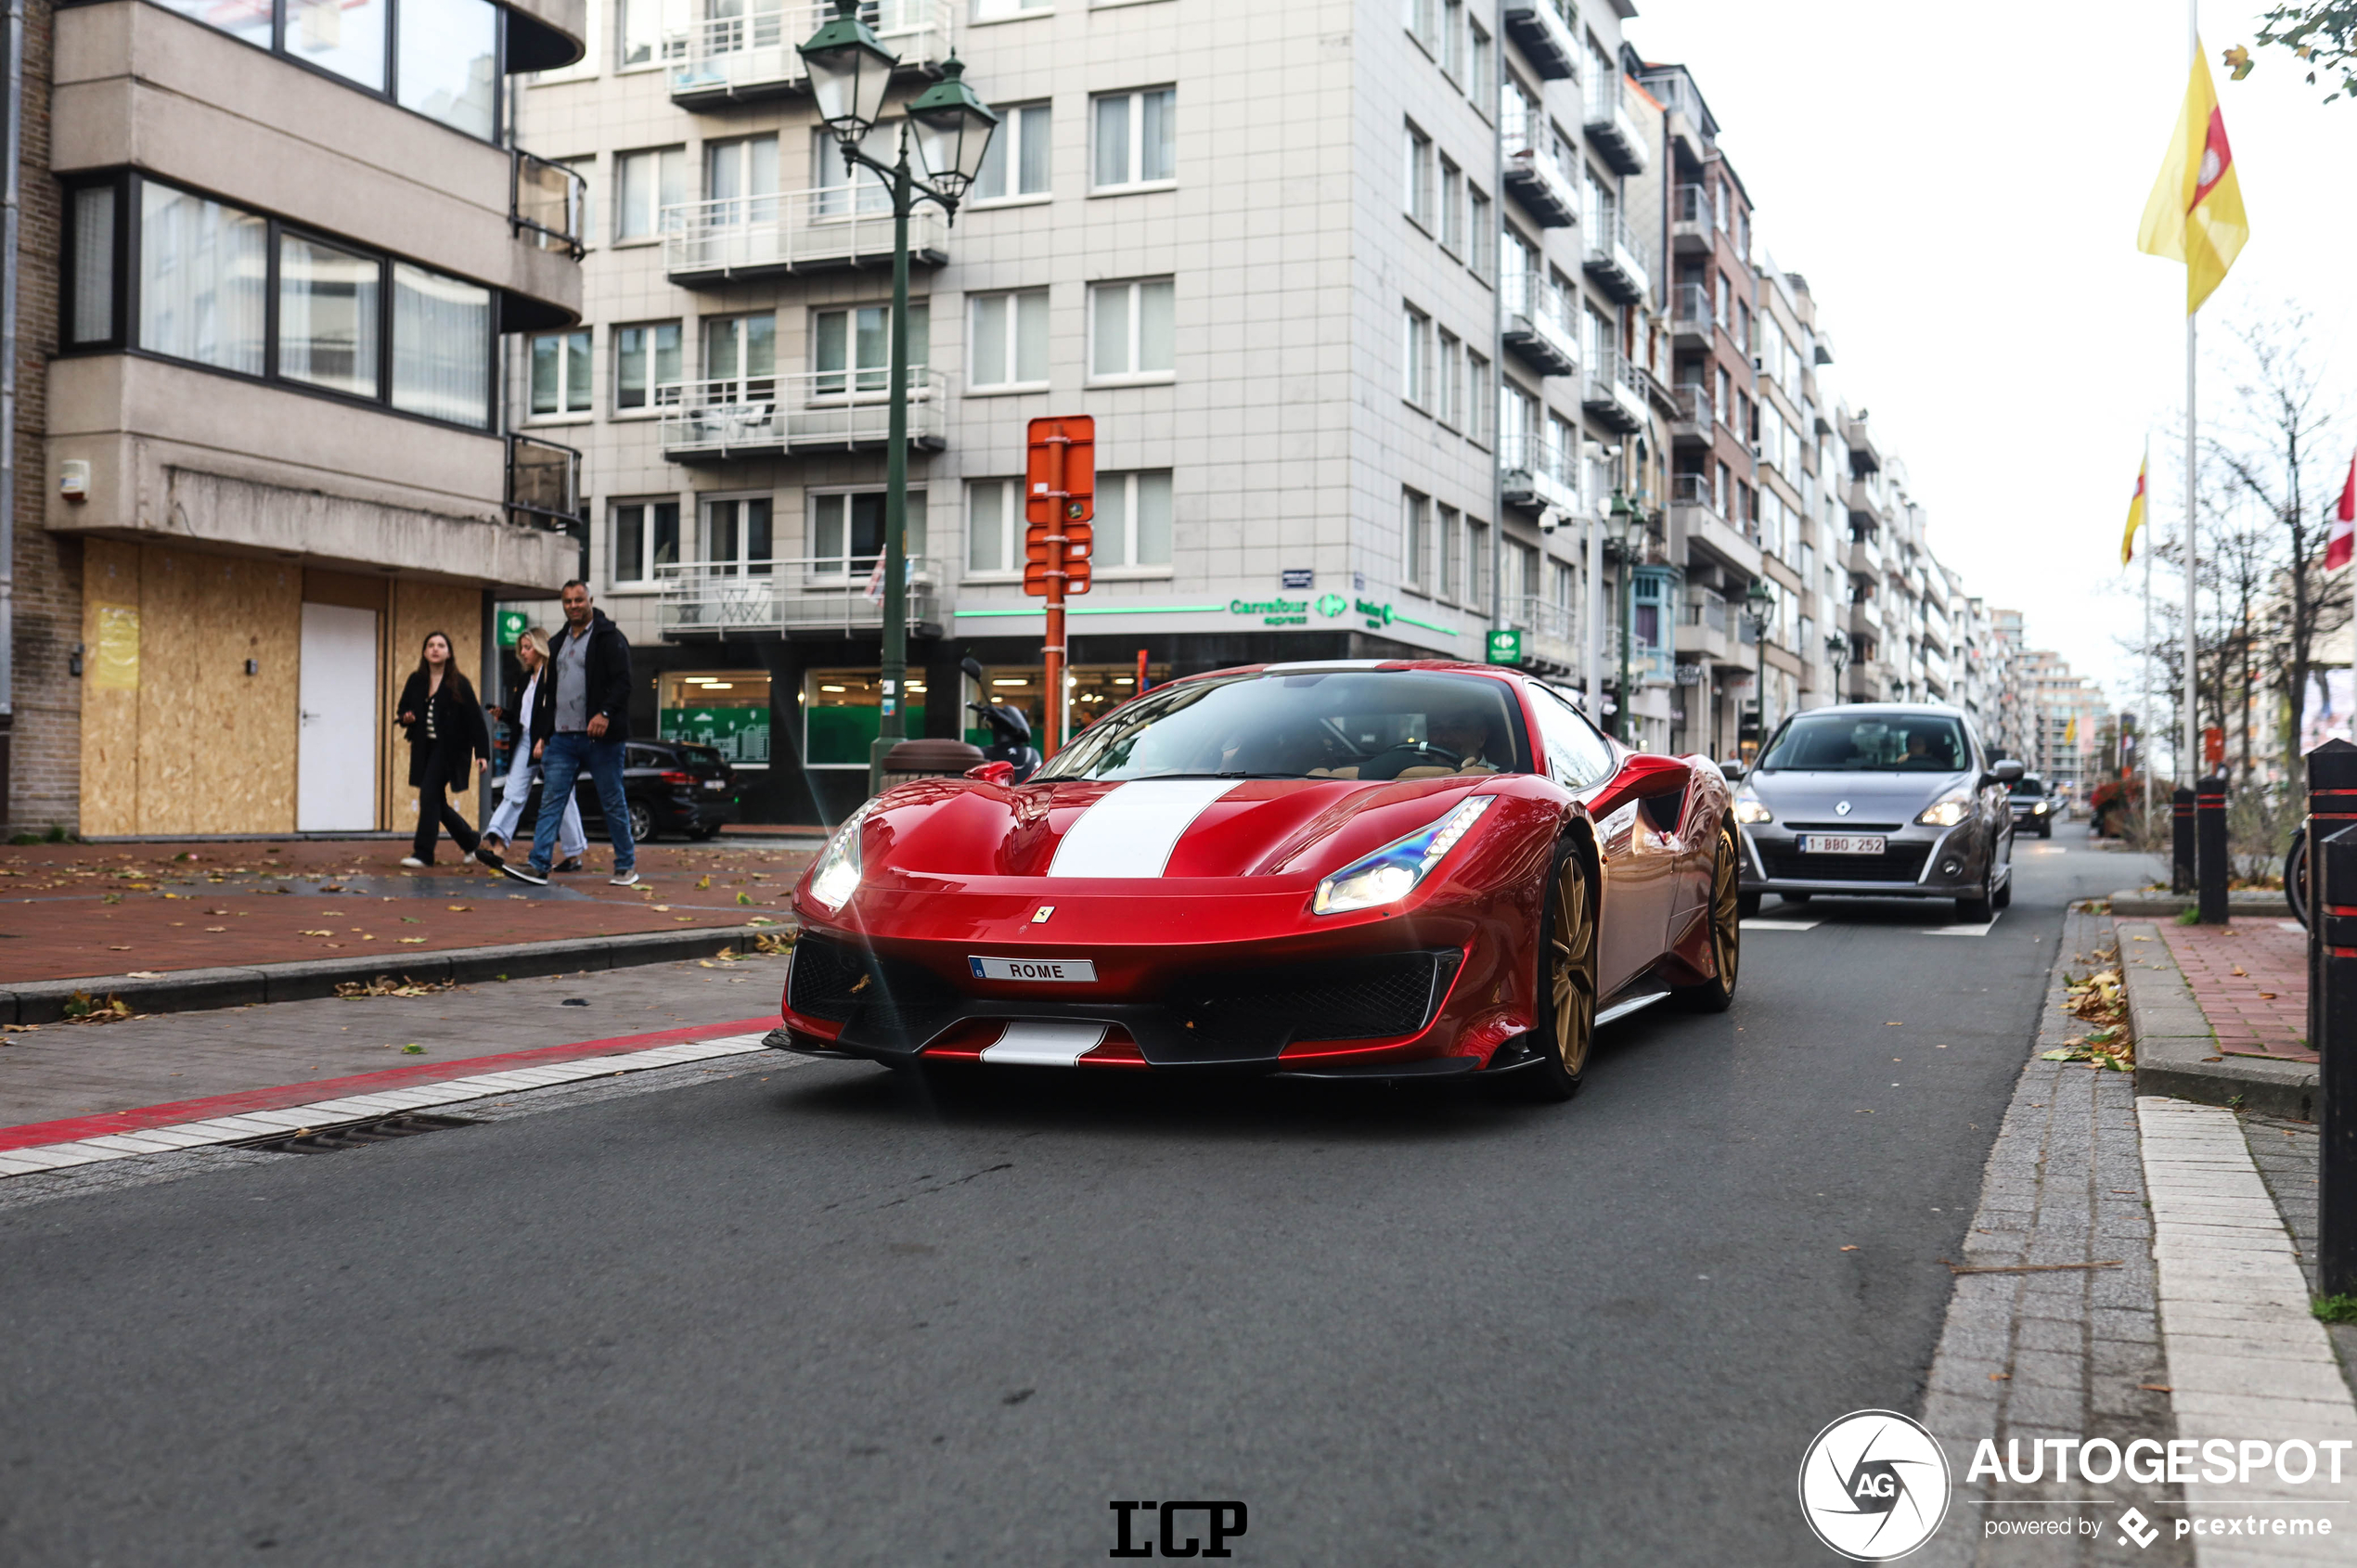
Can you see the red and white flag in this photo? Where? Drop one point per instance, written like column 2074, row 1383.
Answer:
column 2341, row 543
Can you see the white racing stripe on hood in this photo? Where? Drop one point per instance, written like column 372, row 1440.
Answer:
column 1131, row 831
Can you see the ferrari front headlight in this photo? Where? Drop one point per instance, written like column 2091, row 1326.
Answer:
column 1948, row 810
column 1392, row 872
column 835, row 877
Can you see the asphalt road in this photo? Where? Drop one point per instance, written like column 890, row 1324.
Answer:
column 812, row 1315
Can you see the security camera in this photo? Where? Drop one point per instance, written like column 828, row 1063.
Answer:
column 1550, row 520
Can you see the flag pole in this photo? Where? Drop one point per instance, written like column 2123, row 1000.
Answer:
column 2190, row 770
column 2144, row 742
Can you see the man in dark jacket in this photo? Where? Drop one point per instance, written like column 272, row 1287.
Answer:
column 583, row 708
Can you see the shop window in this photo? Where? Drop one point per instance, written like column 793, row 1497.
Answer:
column 727, row 710
column 1092, row 691
column 842, row 714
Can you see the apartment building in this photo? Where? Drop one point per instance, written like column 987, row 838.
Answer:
column 267, row 257
column 2065, row 711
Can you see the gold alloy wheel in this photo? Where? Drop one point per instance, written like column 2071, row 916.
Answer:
column 1572, row 965
column 1726, row 914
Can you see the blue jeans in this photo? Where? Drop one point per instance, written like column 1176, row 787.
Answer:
column 560, row 764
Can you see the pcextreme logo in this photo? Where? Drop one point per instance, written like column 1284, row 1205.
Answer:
column 1874, row 1486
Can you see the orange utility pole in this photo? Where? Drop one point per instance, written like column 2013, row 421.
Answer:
column 1060, row 496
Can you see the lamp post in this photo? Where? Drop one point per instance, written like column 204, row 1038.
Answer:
column 1624, row 519
column 1837, row 654
column 1759, row 604
column 850, row 72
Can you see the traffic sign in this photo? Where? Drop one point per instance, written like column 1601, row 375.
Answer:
column 1505, row 646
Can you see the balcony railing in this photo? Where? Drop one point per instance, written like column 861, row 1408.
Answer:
column 832, row 227
column 1690, row 314
column 1547, row 39
column 1614, row 394
column 811, row 595
column 544, row 483
column 1616, row 264
column 1612, row 130
column 545, row 203
column 1551, row 631
column 751, row 54
column 1536, row 327
column 1532, row 173
column 815, row 411
column 1692, row 412
column 1537, row 476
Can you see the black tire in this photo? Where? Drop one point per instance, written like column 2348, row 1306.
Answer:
column 2045, row 827
column 2296, row 875
column 1717, row 993
column 1567, row 963
column 2004, row 898
column 1973, row 911
column 1747, row 904
column 643, row 823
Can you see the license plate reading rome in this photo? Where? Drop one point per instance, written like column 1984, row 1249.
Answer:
column 1841, row 844
column 1067, row 969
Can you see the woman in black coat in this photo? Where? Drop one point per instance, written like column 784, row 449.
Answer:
column 444, row 725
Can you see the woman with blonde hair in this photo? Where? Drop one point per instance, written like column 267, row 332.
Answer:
column 532, row 652
column 448, row 745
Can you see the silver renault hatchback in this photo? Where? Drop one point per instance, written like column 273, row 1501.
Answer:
column 1878, row 800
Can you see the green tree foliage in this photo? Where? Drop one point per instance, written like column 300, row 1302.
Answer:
column 2321, row 32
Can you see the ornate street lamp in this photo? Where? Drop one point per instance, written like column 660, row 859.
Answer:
column 1837, row 653
column 849, row 74
column 1625, row 521
column 1760, row 608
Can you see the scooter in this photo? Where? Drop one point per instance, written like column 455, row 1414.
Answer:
column 1010, row 729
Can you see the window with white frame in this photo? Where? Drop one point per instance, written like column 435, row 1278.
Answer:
column 735, row 536
column 741, row 357
column 648, row 188
column 1416, row 175
column 1421, row 19
column 999, row 11
column 1415, row 538
column 841, row 188
column 1563, row 449
column 1137, row 138
column 993, row 526
column 1015, row 164
column 1452, row 208
column 652, row 32
column 1132, row 526
column 740, row 180
column 641, row 537
column 646, row 355
column 847, row 532
column 1451, row 404
column 1477, row 564
column 559, row 373
column 1452, row 572
column 1133, row 329
column 1452, row 40
column 1477, row 395
column 1482, row 67
column 1482, row 224
column 1415, row 361
column 851, row 348
column 1008, row 336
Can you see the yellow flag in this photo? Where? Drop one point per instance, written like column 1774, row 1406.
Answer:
column 2135, row 513
column 2194, row 214
column 2070, row 731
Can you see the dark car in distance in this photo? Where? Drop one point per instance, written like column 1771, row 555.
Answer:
column 672, row 787
column 2034, row 805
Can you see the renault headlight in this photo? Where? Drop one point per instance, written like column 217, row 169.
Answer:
column 1392, row 872
column 836, row 876
column 1948, row 810
column 1750, row 809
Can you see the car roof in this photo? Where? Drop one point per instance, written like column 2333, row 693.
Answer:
column 1319, row 666
column 1942, row 709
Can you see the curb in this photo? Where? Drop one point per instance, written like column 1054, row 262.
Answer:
column 194, row 990
column 2131, row 902
column 2174, row 1035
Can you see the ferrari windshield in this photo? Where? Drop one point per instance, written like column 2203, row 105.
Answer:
column 1335, row 724
column 1832, row 741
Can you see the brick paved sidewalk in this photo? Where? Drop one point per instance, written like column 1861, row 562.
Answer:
column 71, row 910
column 2251, row 979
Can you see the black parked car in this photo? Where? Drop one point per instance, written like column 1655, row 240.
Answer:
column 671, row 788
column 2033, row 805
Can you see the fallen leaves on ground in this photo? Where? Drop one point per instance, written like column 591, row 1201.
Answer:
column 459, row 908
column 412, row 941
column 703, row 883
column 314, row 933
column 383, row 985
column 83, row 1008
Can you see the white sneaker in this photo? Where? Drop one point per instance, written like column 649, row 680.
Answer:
column 627, row 878
column 413, row 860
column 468, row 858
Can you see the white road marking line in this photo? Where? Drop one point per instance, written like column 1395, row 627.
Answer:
column 1781, row 925
column 1981, row 930
column 327, row 1113
column 1131, row 831
column 1039, row 1043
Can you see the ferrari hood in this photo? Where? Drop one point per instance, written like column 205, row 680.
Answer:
column 1146, row 828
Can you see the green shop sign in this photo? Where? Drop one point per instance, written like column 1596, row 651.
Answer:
column 1273, row 612
column 511, row 627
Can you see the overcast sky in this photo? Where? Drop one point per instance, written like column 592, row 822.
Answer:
column 1962, row 186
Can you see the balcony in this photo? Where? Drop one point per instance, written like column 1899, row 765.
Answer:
column 751, row 56
column 1862, row 444
column 1865, row 502
column 1692, row 231
column 1690, row 419
column 1535, row 477
column 547, row 204
column 1533, row 175
column 1866, row 619
column 1691, row 326
column 820, row 598
column 782, row 416
column 1613, row 395
column 1865, row 559
column 1615, row 264
column 1550, row 635
column 1699, row 535
column 1708, row 630
column 1536, row 327
column 544, row 483
column 1546, row 39
column 1612, row 130
column 829, row 230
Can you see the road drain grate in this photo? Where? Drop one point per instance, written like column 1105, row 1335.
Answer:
column 358, row 1135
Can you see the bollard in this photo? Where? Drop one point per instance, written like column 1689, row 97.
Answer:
column 2332, row 946
column 2211, row 869
column 2180, row 858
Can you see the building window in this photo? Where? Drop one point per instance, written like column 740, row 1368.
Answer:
column 1452, row 579
column 1137, row 138
column 1452, row 208
column 1133, row 329
column 649, row 189
column 1482, row 235
column 993, row 526
column 1453, row 380
column 90, row 267
column 652, row 30
column 447, row 68
column 560, row 373
column 1452, row 40
column 1132, row 526
column 845, row 188
column 741, row 357
column 1478, row 400
column 851, row 349
column 441, row 346
column 727, row 710
column 1416, row 178
column 1415, row 538
column 642, row 537
column 330, row 308
column 1477, row 564
column 201, row 272
column 1483, row 67
column 1016, row 161
column 1422, row 20
column 997, row 10
column 1010, row 339
column 1415, row 380
column 741, row 181
column 848, row 532
column 735, row 536
column 645, row 357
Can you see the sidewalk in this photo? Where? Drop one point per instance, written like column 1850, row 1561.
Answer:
column 2251, row 979
column 70, row 911
column 2220, row 1013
